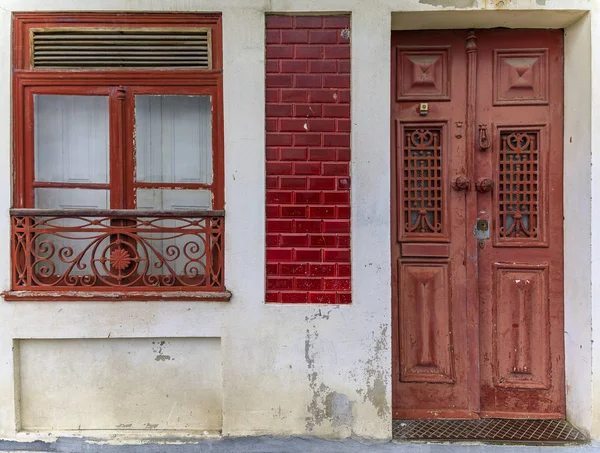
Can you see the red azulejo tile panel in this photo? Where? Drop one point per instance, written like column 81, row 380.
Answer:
column 308, row 159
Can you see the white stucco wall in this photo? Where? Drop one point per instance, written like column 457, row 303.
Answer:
column 300, row 369
column 595, row 215
column 578, row 226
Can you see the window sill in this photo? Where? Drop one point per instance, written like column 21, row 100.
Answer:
column 117, row 296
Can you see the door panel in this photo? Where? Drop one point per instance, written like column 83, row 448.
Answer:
column 520, row 99
column 477, row 224
column 520, row 315
column 426, row 340
column 430, row 361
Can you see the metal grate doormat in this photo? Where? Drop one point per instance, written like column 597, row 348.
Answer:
column 489, row 430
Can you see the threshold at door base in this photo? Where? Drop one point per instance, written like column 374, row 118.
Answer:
column 547, row 431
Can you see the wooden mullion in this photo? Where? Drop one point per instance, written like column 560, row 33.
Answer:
column 128, row 167
column 117, row 151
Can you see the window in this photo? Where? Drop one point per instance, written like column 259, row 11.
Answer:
column 118, row 189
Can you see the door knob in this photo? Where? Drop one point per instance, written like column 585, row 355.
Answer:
column 461, row 183
column 484, row 185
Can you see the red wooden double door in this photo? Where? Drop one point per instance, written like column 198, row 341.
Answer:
column 477, row 236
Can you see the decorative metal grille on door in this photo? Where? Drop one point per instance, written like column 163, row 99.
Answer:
column 518, row 188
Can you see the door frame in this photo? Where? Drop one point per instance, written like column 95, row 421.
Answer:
column 578, row 209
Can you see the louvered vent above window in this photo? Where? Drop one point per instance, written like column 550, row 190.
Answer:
column 64, row 48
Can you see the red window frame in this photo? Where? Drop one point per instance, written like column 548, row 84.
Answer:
column 121, row 86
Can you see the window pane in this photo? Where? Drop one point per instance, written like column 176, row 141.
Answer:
column 173, row 139
column 71, row 138
column 173, row 200
column 71, row 198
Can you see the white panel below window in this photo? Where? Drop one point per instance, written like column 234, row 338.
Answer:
column 120, row 384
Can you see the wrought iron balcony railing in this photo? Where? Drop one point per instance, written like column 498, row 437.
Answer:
column 117, row 251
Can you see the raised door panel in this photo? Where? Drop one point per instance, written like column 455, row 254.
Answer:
column 521, row 76
column 423, row 73
column 426, row 350
column 521, row 332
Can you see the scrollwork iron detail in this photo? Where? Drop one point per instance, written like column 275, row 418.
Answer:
column 116, row 252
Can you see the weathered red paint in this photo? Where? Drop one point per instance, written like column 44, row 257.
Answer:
column 521, row 265
column 120, row 86
column 308, row 159
column 116, row 250
column 429, row 362
column 478, row 322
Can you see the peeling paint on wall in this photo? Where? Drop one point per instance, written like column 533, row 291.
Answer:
column 339, row 409
column 326, row 405
column 316, row 407
column 320, row 315
column 450, row 3
column 160, row 357
column 375, row 377
column 499, row 3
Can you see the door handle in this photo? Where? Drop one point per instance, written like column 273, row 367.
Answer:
column 461, row 183
column 484, row 140
column 484, row 185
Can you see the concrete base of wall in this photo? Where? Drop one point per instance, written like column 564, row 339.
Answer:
column 281, row 445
